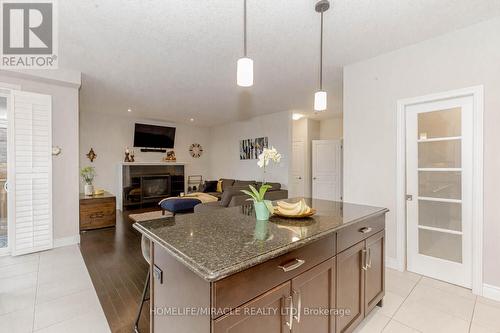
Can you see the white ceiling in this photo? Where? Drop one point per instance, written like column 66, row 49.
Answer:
column 176, row 59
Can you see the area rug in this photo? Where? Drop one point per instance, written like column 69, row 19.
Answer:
column 157, row 214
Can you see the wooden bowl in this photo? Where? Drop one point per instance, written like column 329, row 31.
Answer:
column 311, row 213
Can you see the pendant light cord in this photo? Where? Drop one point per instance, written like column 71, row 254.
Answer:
column 245, row 28
column 320, row 56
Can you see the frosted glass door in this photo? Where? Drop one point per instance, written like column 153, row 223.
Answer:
column 439, row 165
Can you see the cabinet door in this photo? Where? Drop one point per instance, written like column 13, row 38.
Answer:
column 267, row 313
column 314, row 290
column 350, row 287
column 375, row 273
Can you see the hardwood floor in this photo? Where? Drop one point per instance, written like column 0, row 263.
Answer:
column 118, row 270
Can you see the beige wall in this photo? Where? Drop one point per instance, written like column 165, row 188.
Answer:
column 460, row 59
column 331, row 129
column 108, row 135
column 65, row 178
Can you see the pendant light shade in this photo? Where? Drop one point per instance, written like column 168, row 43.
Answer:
column 244, row 71
column 320, row 101
column 320, row 96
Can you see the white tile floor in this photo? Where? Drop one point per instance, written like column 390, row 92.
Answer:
column 49, row 291
column 52, row 292
column 414, row 303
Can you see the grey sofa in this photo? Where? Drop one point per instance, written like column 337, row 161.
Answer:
column 232, row 196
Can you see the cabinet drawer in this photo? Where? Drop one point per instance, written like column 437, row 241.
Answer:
column 241, row 287
column 359, row 231
column 97, row 214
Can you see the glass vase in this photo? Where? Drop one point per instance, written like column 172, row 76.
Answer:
column 261, row 211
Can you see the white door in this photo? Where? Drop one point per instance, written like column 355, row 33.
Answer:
column 30, row 173
column 439, row 147
column 327, row 169
column 297, row 186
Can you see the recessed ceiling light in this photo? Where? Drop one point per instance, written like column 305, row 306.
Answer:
column 191, row 120
column 129, row 110
column 297, row 116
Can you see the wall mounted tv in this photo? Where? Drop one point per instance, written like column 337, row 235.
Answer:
column 153, row 136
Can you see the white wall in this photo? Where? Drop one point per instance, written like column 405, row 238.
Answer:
column 65, row 178
column 456, row 60
column 225, row 140
column 109, row 135
column 331, row 128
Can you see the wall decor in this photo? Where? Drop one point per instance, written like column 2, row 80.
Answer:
column 196, row 150
column 250, row 149
column 129, row 155
column 91, row 155
column 170, row 156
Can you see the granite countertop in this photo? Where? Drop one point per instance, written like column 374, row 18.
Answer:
column 222, row 242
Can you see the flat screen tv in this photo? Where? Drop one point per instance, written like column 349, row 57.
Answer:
column 153, row 136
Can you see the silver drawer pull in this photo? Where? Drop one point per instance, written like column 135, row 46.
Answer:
column 365, row 230
column 291, row 265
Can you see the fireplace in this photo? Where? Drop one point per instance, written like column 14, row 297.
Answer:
column 145, row 185
column 154, row 187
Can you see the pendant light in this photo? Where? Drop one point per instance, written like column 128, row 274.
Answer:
column 320, row 96
column 244, row 72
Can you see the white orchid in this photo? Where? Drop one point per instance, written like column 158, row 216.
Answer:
column 267, row 156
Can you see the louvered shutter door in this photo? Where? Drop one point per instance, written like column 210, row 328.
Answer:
column 32, row 164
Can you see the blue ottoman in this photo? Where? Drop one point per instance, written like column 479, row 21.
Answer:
column 178, row 205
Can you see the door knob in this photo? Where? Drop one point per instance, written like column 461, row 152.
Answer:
column 409, row 197
column 300, row 178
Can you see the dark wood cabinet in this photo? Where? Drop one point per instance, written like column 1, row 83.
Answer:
column 351, row 287
column 267, row 313
column 375, row 272
column 313, row 292
column 360, row 280
column 328, row 285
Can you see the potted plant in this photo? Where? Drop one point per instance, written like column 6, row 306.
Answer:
column 263, row 207
column 88, row 174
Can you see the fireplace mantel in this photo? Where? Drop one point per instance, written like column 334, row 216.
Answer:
column 133, row 177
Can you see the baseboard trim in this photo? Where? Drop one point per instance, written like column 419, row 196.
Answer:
column 65, row 241
column 392, row 263
column 491, row 292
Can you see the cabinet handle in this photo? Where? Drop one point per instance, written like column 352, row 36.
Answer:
column 369, row 261
column 290, row 266
column 363, row 260
column 365, row 230
column 299, row 305
column 289, row 323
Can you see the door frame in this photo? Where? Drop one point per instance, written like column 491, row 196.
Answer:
column 477, row 94
column 8, row 87
column 306, row 168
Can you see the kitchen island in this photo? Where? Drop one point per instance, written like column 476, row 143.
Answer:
column 224, row 271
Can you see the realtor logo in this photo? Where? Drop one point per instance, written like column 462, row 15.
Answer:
column 29, row 34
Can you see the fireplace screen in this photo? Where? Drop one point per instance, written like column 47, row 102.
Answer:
column 155, row 186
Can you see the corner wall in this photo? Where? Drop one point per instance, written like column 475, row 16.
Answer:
column 460, row 59
column 225, row 140
column 109, row 135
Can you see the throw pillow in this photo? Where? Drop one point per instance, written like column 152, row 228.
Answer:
column 210, row 186
column 219, row 186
